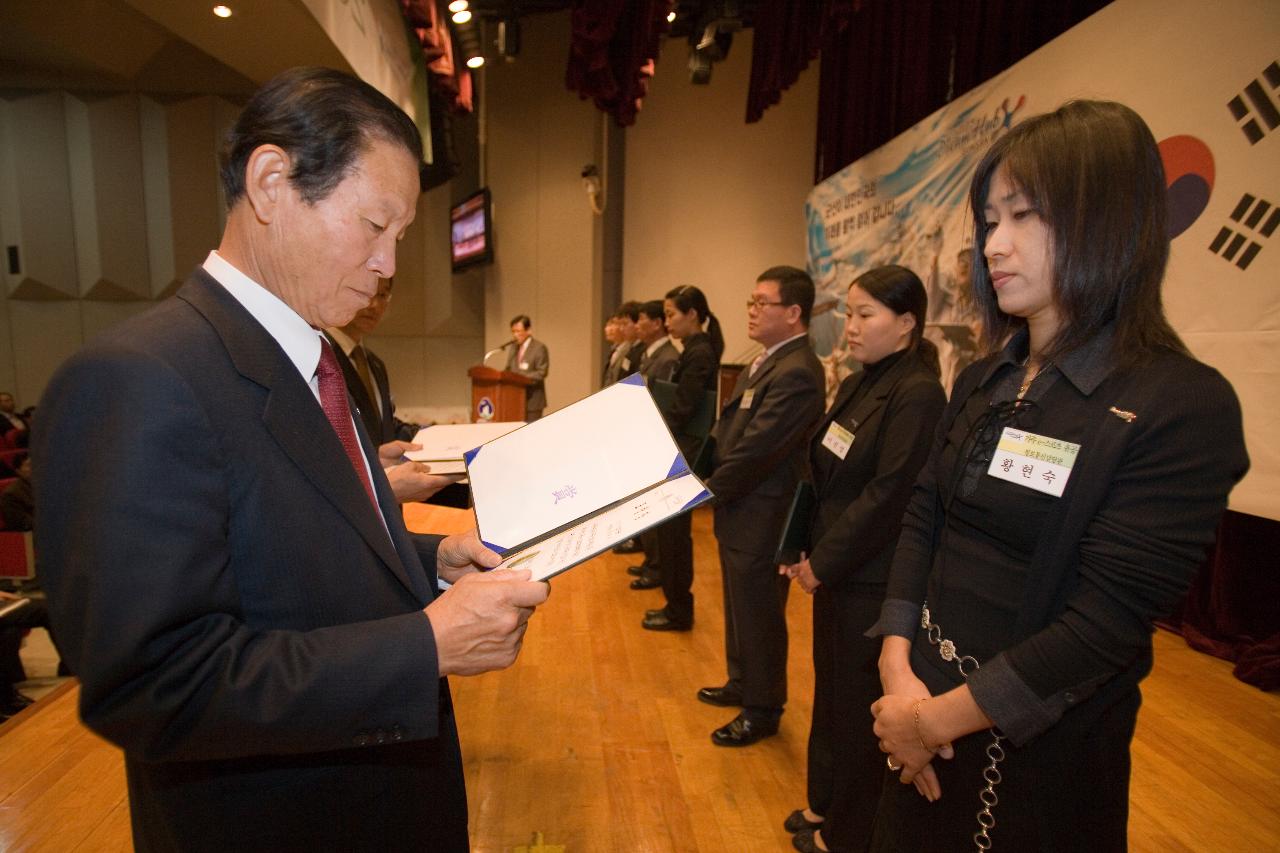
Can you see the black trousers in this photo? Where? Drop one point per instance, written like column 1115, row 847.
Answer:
column 755, row 628
column 675, row 545
column 845, row 765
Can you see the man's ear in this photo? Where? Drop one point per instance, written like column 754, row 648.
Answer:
column 266, row 180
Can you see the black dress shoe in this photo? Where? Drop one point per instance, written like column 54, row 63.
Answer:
column 631, row 546
column 661, row 611
column 658, row 620
column 646, row 582
column 803, row 840
column 796, row 821
column 636, row 570
column 726, row 697
column 743, row 731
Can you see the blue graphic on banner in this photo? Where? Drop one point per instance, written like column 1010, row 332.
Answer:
column 907, row 203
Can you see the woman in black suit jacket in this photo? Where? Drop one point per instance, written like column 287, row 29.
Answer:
column 1075, row 482
column 696, row 372
column 865, row 456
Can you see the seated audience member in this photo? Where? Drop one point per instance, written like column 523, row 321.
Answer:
column 13, row 422
column 658, row 359
column 13, row 627
column 17, row 501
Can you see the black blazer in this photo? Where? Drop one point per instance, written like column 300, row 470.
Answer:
column 862, row 498
column 761, row 449
column 243, row 624
column 695, row 373
column 379, row 424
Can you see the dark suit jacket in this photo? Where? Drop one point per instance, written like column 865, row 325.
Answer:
column 661, row 364
column 379, row 424
column 695, row 374
column 242, row 623
column 539, row 363
column 761, row 449
column 863, row 497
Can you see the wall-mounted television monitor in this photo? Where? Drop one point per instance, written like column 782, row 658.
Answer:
column 471, row 230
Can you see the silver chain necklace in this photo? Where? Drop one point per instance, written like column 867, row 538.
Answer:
column 995, row 752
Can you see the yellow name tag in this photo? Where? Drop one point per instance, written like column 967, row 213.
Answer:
column 1035, row 461
column 838, row 440
column 524, row 365
column 747, row 396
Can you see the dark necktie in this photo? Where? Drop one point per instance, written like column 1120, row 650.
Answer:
column 333, row 399
column 361, row 362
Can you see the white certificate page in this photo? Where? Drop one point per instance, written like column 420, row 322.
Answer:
column 601, row 532
column 570, row 464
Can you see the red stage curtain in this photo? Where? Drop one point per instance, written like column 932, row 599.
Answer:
column 613, row 46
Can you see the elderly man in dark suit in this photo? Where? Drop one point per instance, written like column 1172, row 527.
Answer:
column 760, row 455
column 228, row 571
column 529, row 357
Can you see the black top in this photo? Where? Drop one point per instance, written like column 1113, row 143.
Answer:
column 1055, row 596
column 695, row 374
column 891, row 408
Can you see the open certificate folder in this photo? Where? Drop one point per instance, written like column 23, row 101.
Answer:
column 562, row 489
column 443, row 445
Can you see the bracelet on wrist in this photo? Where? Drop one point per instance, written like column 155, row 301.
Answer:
column 915, row 714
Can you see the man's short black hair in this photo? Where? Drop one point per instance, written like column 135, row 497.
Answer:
column 653, row 310
column 794, row 288
column 629, row 309
column 324, row 119
column 523, row 320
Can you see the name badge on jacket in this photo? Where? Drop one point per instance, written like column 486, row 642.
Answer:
column 747, row 396
column 838, row 440
column 524, row 365
column 1035, row 461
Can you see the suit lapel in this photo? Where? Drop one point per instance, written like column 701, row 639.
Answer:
column 766, row 367
column 293, row 417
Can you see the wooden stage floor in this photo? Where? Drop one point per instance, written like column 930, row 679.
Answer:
column 595, row 740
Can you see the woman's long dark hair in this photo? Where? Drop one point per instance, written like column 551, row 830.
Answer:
column 686, row 297
column 901, row 291
column 1093, row 172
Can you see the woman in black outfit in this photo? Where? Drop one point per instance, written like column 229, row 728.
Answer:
column 696, row 373
column 865, row 456
column 1074, row 485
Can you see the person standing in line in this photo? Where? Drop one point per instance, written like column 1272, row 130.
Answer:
column 1074, row 484
column 229, row 573
column 761, row 454
column 696, row 373
column 658, row 358
column 865, row 455
column 529, row 357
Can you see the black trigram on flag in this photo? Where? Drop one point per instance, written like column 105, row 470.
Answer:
column 1251, row 214
column 1258, row 103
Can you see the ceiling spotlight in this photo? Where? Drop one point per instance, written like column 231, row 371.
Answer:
column 222, row 11
column 671, row 17
column 475, row 62
column 461, row 17
column 458, row 5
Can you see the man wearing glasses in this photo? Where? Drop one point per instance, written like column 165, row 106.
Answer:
column 760, row 455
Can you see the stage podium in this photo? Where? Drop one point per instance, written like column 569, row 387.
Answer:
column 497, row 395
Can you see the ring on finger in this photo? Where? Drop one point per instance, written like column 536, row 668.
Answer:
column 888, row 762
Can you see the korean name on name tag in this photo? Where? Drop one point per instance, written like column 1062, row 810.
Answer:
column 838, row 440
column 1036, row 461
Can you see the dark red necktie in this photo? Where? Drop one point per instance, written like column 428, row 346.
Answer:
column 333, row 399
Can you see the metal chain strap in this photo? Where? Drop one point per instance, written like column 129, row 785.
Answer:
column 995, row 752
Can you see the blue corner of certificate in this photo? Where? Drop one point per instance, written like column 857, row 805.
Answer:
column 495, row 548
column 679, row 467
column 633, row 379
column 470, row 456
column 697, row 499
